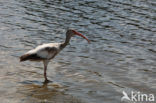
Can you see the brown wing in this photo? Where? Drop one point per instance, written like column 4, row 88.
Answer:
column 33, row 57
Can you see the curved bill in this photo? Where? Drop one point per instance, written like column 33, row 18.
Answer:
column 79, row 34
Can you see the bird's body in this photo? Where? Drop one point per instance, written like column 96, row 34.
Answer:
column 42, row 52
column 46, row 52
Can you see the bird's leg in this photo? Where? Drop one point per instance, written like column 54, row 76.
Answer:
column 45, row 73
column 45, row 70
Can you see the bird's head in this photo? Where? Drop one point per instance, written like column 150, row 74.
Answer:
column 71, row 32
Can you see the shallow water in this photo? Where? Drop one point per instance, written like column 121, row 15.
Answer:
column 121, row 56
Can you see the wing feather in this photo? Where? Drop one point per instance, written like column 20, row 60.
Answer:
column 45, row 51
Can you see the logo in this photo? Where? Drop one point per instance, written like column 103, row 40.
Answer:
column 136, row 96
column 125, row 96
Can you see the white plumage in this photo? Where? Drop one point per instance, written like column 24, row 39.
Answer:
column 42, row 51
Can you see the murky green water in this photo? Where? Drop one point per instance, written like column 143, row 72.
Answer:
column 121, row 56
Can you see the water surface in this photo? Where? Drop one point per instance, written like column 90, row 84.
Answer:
column 121, row 56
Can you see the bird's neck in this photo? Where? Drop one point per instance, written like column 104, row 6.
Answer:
column 64, row 44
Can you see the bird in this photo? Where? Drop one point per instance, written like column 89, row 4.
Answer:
column 46, row 52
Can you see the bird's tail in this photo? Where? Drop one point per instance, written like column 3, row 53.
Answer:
column 24, row 57
column 32, row 57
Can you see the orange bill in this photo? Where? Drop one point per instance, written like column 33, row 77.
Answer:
column 79, row 34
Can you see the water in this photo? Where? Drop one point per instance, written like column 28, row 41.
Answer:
column 121, row 55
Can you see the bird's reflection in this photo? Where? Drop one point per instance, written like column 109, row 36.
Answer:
column 33, row 91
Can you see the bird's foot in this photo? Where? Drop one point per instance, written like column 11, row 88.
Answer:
column 46, row 81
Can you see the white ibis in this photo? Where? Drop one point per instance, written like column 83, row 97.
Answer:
column 46, row 52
